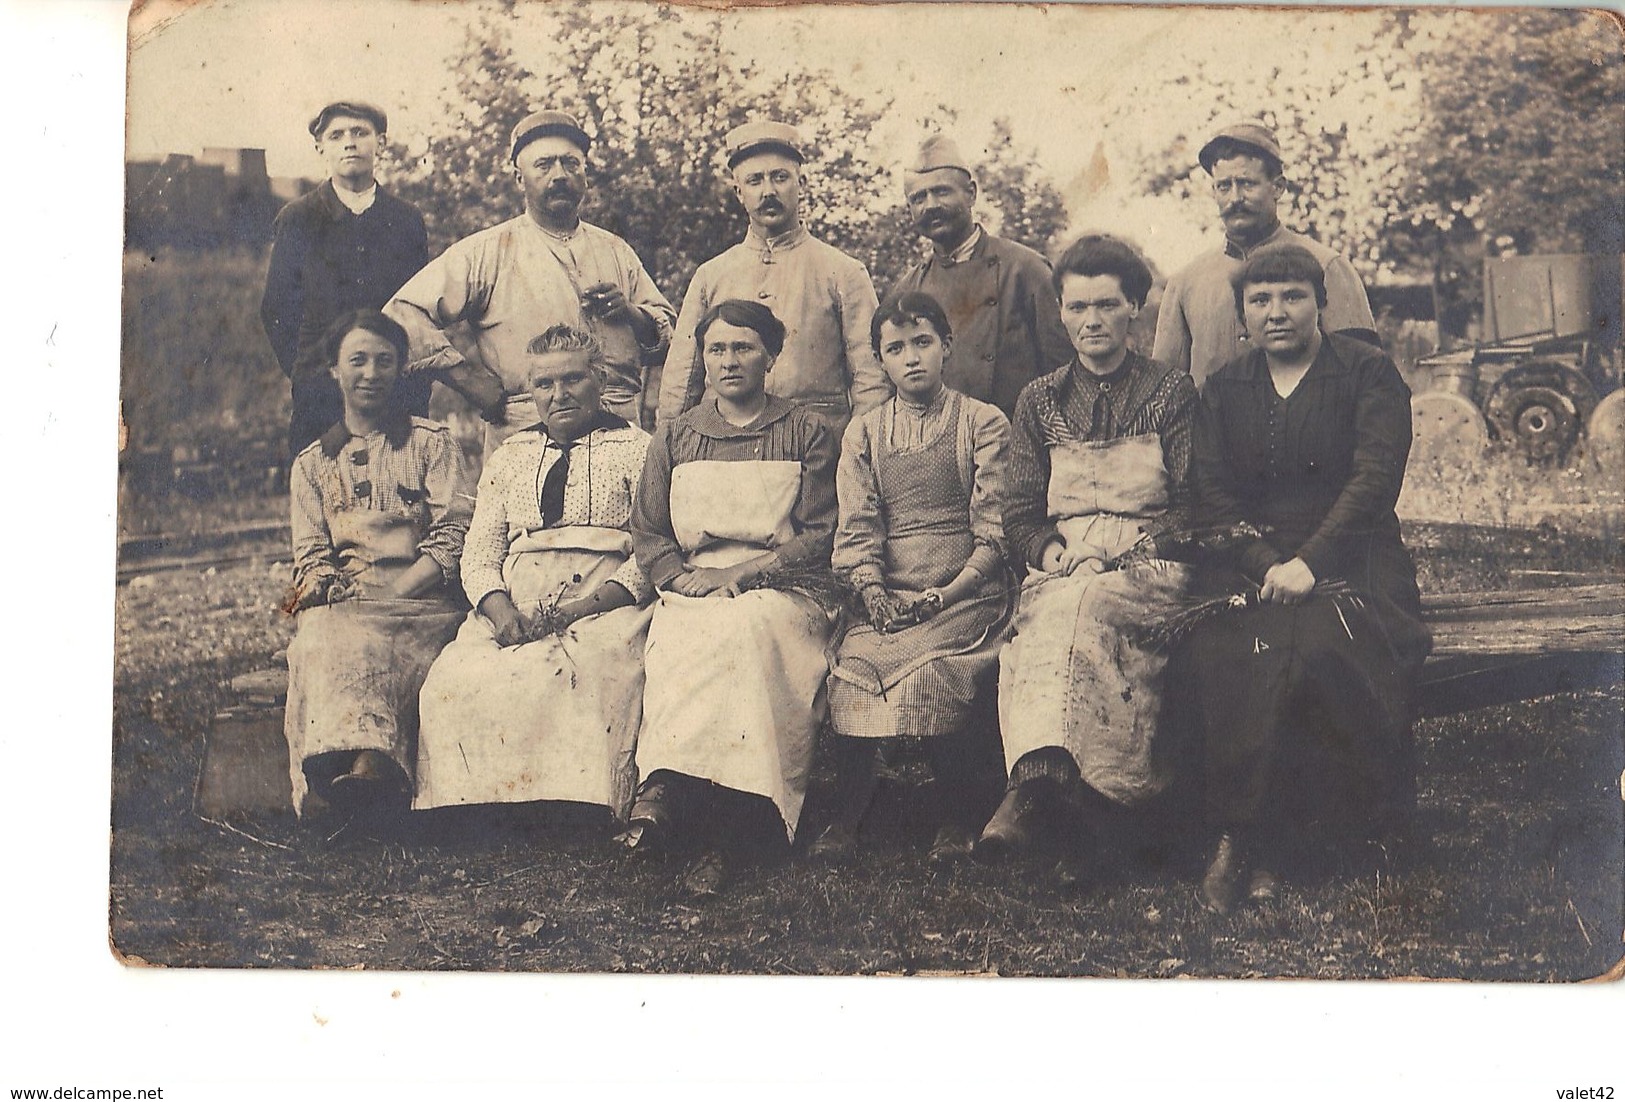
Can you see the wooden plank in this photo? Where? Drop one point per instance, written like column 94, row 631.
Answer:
column 1572, row 620
column 1451, row 685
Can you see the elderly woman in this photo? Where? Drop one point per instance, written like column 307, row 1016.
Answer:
column 1097, row 493
column 380, row 507
column 1304, row 439
column 921, row 538
column 541, row 694
column 737, row 494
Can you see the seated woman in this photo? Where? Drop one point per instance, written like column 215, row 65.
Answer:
column 1305, row 439
column 380, row 507
column 541, row 694
column 1098, row 479
column 921, row 537
column 736, row 492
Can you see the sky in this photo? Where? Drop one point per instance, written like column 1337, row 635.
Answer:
column 252, row 73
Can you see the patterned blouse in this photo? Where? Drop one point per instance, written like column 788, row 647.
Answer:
column 412, row 469
column 605, row 465
column 901, row 425
column 1075, row 404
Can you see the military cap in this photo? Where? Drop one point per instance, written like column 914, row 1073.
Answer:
column 355, row 109
column 757, row 137
column 546, row 124
column 1248, row 134
column 939, row 151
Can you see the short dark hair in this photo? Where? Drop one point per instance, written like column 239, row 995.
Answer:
column 1280, row 264
column 1224, row 149
column 902, row 307
column 373, row 321
column 1099, row 254
column 748, row 315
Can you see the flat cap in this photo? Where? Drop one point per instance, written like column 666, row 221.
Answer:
column 355, row 109
column 939, row 151
column 1251, row 135
column 546, row 124
column 763, row 136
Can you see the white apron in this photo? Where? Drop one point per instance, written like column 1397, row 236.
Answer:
column 734, row 690
column 1071, row 676
column 554, row 719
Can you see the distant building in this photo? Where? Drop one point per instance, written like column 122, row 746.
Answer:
column 221, row 197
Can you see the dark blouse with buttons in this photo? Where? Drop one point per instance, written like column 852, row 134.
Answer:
column 1317, row 472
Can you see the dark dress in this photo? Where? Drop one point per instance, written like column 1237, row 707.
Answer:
column 326, row 261
column 1330, row 681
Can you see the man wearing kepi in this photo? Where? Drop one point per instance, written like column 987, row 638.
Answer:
column 998, row 295
column 345, row 246
column 823, row 297
column 546, row 267
column 1197, row 325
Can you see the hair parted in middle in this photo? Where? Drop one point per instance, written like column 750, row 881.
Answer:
column 375, row 322
column 1100, row 254
column 747, row 315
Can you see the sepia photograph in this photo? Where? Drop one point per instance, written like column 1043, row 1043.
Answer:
column 883, row 490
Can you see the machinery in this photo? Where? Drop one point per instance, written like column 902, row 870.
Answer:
column 1546, row 373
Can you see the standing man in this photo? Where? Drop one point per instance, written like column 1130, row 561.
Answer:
column 1198, row 328
column 998, row 294
column 823, row 297
column 345, row 246
column 511, row 282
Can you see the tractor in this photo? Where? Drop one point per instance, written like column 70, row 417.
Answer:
column 1546, row 374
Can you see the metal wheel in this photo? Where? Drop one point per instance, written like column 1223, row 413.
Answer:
column 1539, row 408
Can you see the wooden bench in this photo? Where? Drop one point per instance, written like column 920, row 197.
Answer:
column 1488, row 648
column 1499, row 647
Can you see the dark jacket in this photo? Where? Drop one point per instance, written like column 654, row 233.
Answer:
column 326, row 261
column 1005, row 317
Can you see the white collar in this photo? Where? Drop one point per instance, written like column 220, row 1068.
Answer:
column 356, row 201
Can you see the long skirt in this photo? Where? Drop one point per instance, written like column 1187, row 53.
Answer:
column 1075, row 675
column 735, row 692
column 920, row 681
column 354, row 671
column 1329, row 680
column 553, row 719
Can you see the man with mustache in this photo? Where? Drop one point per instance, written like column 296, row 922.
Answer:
column 499, row 288
column 345, row 246
column 823, row 297
column 1197, row 325
column 998, row 294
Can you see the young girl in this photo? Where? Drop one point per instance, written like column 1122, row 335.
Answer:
column 921, row 537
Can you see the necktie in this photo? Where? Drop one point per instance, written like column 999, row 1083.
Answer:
column 552, row 495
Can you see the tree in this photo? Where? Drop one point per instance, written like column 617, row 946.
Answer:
column 656, row 89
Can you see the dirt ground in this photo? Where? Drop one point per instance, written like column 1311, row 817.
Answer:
column 1518, row 877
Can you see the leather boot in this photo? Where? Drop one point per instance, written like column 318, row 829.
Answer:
column 1015, row 826
column 1222, row 883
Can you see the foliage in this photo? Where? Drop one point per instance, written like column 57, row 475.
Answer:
column 197, row 371
column 657, row 90
column 1444, row 137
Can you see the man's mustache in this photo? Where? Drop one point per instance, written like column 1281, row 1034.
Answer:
column 769, row 206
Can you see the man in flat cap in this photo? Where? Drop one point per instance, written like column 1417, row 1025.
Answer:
column 823, row 297
column 1197, row 326
column 998, row 294
column 507, row 284
column 345, row 246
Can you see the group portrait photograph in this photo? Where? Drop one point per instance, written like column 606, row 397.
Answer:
column 883, row 490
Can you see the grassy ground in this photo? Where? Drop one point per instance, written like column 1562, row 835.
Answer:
column 1519, row 879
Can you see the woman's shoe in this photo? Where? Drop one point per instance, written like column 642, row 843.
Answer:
column 1011, row 830
column 1222, row 883
column 952, row 845
column 707, row 876
column 835, row 844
